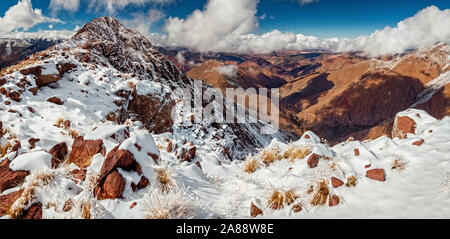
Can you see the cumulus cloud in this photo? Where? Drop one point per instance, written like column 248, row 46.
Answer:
column 112, row 6
column 225, row 27
column 227, row 70
column 143, row 22
column 426, row 27
column 216, row 27
column 70, row 5
column 45, row 34
column 304, row 2
column 23, row 16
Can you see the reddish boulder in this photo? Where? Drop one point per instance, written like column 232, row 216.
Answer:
column 133, row 205
column 32, row 142
column 65, row 67
column 117, row 159
column 356, row 152
column 402, row 126
column 333, row 200
column 83, row 151
column 186, row 155
column 376, row 174
column 41, row 80
column 198, row 164
column 14, row 95
column 34, row 212
column 255, row 211
column 8, row 177
column 144, row 182
column 169, row 147
column 336, row 182
column 59, row 153
column 6, row 201
column 313, row 160
column 112, row 186
column 55, row 100
column 419, row 142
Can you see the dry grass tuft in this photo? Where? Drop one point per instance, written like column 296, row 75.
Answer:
column 59, row 122
column 351, row 181
column 321, row 195
column 28, row 194
column 73, row 133
column 294, row 153
column 86, row 210
column 399, row 165
column 172, row 205
column 279, row 199
column 251, row 165
column 4, row 149
column 269, row 156
column 164, row 177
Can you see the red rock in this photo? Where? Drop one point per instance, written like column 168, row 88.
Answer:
column 419, row 142
column 33, row 90
column 68, row 205
column 34, row 212
column 112, row 187
column 16, row 146
column 59, row 153
column 402, row 126
column 8, row 177
column 31, row 109
column 356, row 152
column 336, row 182
column 191, row 143
column 6, row 201
column 307, row 136
column 255, row 211
column 333, row 200
column 78, row 175
column 138, row 146
column 66, row 124
column 83, row 151
column 133, row 205
column 14, row 95
column 169, row 147
column 376, row 174
column 198, row 164
column 41, row 80
column 117, row 159
column 313, row 160
column 297, row 208
column 367, row 166
column 2, row 82
column 65, row 67
column 187, row 155
column 7, row 103
column 32, row 142
column 144, row 182
column 55, row 100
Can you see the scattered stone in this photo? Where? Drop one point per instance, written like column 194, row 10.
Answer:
column 376, row 174
column 419, row 142
column 83, row 151
column 333, row 200
column 59, row 153
column 356, row 152
column 55, row 100
column 255, row 211
column 32, row 142
column 313, row 160
column 403, row 125
column 336, row 182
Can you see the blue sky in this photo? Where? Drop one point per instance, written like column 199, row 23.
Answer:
column 326, row 18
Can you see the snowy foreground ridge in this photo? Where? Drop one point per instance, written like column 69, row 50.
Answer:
column 85, row 133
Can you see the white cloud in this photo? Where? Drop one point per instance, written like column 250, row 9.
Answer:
column 180, row 58
column 112, row 6
column 216, row 27
column 227, row 70
column 426, row 27
column 23, row 16
column 143, row 22
column 70, row 5
column 47, row 34
column 304, row 2
column 225, row 27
